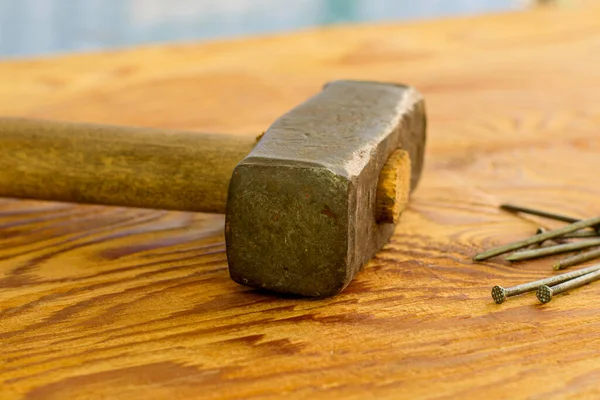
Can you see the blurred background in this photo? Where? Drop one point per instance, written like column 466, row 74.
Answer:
column 40, row 27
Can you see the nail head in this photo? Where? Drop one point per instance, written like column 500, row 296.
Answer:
column 544, row 294
column 499, row 294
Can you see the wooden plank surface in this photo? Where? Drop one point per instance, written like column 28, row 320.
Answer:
column 100, row 302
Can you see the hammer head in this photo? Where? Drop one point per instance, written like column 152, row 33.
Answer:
column 300, row 213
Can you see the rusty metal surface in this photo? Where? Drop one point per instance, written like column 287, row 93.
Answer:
column 300, row 209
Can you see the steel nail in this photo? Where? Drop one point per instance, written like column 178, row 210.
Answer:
column 580, row 234
column 577, row 259
column 536, row 239
column 500, row 294
column 552, row 250
column 539, row 213
column 545, row 292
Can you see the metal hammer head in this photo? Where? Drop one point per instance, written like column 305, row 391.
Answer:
column 301, row 208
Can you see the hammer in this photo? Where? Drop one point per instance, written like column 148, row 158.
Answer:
column 305, row 207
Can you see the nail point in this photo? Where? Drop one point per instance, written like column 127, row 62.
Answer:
column 557, row 266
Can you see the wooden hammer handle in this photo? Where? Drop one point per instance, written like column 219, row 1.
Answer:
column 132, row 167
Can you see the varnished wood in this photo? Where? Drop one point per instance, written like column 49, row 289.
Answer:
column 100, row 302
column 115, row 165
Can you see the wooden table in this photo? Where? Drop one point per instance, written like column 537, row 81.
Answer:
column 100, row 302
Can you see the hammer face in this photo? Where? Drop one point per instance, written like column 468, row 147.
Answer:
column 300, row 213
column 289, row 231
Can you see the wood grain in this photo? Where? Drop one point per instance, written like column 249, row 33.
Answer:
column 393, row 187
column 126, row 303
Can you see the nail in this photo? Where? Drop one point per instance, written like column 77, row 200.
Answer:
column 500, row 294
column 540, row 213
column 537, row 239
column 577, row 259
column 580, row 234
column 552, row 250
column 545, row 292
